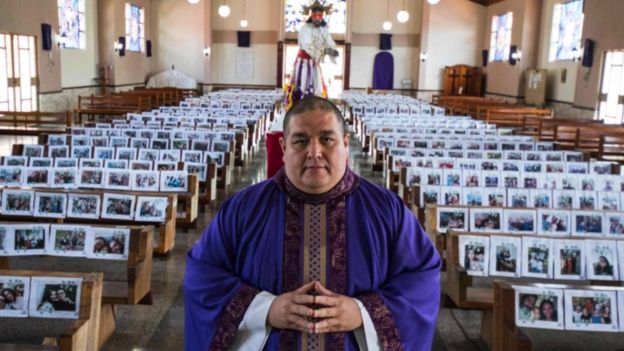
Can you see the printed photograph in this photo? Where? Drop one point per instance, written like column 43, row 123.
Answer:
column 141, row 165
column 539, row 307
column 429, row 195
column 220, row 146
column 169, row 155
column 608, row 201
column 14, row 293
column 173, row 181
column 148, row 155
column 587, row 223
column 68, row 240
column 57, row 139
column 505, row 256
column 50, row 205
column 569, row 259
column 18, row 202
column 83, row 206
column 193, row 156
column 541, row 198
column 40, row 162
column 91, row 178
column 451, row 196
column 151, row 209
column 563, row 199
column 196, row 168
column 591, row 310
column 180, row 144
column 31, row 150
column 91, row 163
column 64, row 178
column 139, row 143
column 615, row 223
column 37, row 177
column 473, row 254
column 495, row 197
column 117, row 179
column 473, row 197
column 452, row 219
column 586, row 200
column 15, row 160
column 486, row 219
column 116, row 164
column 55, row 297
column 553, row 222
column 126, row 153
column 104, row 153
column 537, row 257
column 29, row 239
column 518, row 198
column 6, row 239
column 160, row 144
column 10, row 176
column 117, row 206
column 109, row 243
column 519, row 221
column 602, row 259
column 81, row 151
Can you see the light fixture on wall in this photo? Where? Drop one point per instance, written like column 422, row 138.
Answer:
column 423, row 56
column 62, row 40
column 387, row 25
column 117, row 46
column 206, row 51
column 193, row 2
column 224, row 10
column 403, row 16
column 433, row 2
column 515, row 55
column 577, row 54
column 243, row 22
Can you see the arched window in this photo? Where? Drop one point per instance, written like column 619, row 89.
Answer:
column 567, row 27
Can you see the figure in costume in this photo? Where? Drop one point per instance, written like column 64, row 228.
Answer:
column 314, row 43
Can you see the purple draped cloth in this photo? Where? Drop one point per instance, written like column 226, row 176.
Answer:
column 378, row 253
column 383, row 71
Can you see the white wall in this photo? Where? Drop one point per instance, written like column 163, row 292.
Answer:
column 224, row 64
column 453, row 35
column 178, row 38
column 79, row 67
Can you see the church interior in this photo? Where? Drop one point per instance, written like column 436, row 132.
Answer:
column 125, row 124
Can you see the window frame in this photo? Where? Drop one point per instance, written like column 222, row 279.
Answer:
column 494, row 37
column 555, row 38
column 82, row 36
column 140, row 24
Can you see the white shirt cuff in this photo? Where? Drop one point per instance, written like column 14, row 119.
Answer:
column 366, row 335
column 253, row 331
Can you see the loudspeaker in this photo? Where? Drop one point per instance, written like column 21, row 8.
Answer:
column 512, row 50
column 148, row 48
column 244, row 39
column 385, row 41
column 588, row 53
column 122, row 41
column 484, row 57
column 46, row 36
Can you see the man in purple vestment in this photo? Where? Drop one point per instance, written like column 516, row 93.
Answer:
column 315, row 258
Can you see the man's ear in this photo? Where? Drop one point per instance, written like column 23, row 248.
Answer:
column 282, row 142
column 346, row 139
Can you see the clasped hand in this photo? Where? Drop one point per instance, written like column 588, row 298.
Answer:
column 314, row 309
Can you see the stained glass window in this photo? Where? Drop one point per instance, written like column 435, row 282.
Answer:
column 565, row 39
column 501, row 37
column 135, row 28
column 72, row 24
column 294, row 17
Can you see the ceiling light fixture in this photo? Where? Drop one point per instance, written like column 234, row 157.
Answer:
column 224, row 10
column 403, row 16
column 387, row 25
column 243, row 22
column 433, row 2
column 193, row 2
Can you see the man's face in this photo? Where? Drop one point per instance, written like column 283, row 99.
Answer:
column 317, row 16
column 315, row 151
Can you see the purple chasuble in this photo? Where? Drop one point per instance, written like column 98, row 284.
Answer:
column 358, row 239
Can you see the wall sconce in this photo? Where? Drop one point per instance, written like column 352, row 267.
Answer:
column 515, row 55
column 577, row 54
column 207, row 51
column 423, row 56
column 61, row 40
column 120, row 46
column 224, row 10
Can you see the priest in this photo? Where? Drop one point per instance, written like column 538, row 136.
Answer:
column 315, row 258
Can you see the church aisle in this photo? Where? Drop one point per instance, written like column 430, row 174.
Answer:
column 161, row 326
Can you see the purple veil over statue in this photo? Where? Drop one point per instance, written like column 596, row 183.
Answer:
column 383, row 71
column 391, row 266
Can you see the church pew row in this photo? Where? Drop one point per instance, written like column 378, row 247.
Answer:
column 78, row 334
column 34, row 123
column 166, row 229
column 125, row 282
column 510, row 332
column 515, row 117
column 611, row 148
column 467, row 105
column 113, row 106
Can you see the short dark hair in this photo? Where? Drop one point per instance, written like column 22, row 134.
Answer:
column 313, row 103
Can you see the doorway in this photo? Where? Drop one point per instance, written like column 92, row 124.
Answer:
column 18, row 73
column 333, row 74
column 611, row 104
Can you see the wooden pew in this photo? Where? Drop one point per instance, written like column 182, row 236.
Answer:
column 515, row 117
column 71, row 334
column 110, row 106
column 611, row 148
column 506, row 336
column 34, row 123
